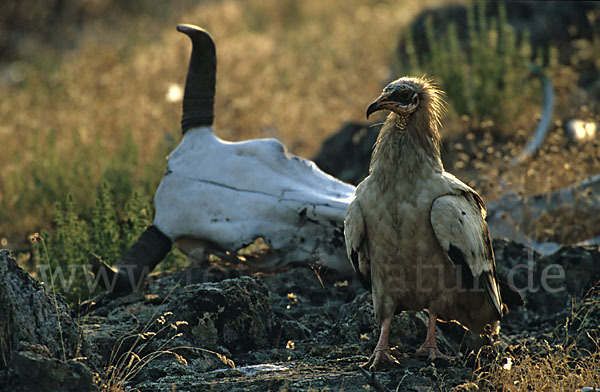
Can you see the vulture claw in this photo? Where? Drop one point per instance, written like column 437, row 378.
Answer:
column 379, row 355
column 433, row 353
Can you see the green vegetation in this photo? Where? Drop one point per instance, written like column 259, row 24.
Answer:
column 61, row 258
column 489, row 77
column 291, row 70
column 52, row 172
column 98, row 113
column 86, row 127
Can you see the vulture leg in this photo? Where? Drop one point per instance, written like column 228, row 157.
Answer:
column 382, row 350
column 429, row 347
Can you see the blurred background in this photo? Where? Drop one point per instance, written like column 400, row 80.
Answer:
column 90, row 96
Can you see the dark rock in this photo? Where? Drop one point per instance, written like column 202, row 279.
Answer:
column 357, row 324
column 301, row 328
column 39, row 339
column 234, row 313
column 548, row 23
column 32, row 315
column 357, row 319
column 547, row 283
column 202, row 324
column 347, row 153
column 32, row 371
column 295, row 330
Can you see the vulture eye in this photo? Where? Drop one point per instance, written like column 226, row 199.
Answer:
column 402, row 96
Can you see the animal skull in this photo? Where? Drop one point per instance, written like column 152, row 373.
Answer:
column 229, row 194
column 217, row 195
column 226, row 195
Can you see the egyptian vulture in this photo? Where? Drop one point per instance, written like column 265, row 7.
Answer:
column 416, row 234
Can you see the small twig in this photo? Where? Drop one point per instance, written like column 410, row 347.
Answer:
column 401, row 381
column 374, row 382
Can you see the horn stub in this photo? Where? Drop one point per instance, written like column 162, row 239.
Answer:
column 199, row 93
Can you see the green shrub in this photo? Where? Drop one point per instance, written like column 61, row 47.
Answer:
column 61, row 258
column 489, row 77
column 54, row 166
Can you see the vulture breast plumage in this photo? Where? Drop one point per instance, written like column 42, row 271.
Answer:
column 415, row 234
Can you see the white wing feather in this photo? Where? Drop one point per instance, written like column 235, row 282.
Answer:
column 356, row 241
column 458, row 223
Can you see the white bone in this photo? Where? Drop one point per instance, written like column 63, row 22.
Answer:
column 225, row 195
column 230, row 194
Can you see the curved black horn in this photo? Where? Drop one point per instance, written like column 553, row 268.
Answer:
column 199, row 95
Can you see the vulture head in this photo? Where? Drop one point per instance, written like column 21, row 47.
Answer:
column 400, row 96
column 409, row 96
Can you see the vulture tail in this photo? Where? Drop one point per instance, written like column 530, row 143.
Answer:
column 510, row 296
column 365, row 281
column 199, row 93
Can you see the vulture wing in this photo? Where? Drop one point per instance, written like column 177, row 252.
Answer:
column 356, row 243
column 458, row 223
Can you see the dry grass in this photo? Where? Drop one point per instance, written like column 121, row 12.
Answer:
column 569, row 363
column 295, row 70
column 287, row 69
column 555, row 370
column 483, row 158
column 538, row 369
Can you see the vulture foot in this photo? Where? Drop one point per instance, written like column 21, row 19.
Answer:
column 380, row 354
column 382, row 350
column 429, row 348
column 432, row 353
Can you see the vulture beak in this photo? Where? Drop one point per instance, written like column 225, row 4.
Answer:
column 377, row 104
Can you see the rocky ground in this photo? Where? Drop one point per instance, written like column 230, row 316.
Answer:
column 298, row 329
column 225, row 327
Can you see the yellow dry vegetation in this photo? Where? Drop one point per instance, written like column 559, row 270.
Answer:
column 294, row 70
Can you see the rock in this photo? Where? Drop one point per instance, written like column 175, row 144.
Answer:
column 199, row 324
column 547, row 283
column 347, row 153
column 296, row 329
column 32, row 371
column 547, row 23
column 39, row 339
column 357, row 320
column 357, row 323
column 234, row 313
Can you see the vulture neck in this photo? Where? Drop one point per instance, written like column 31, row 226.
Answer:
column 407, row 150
